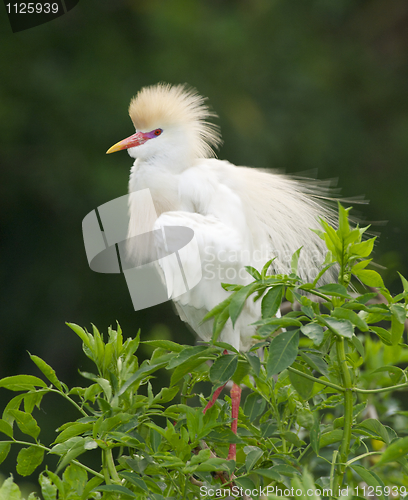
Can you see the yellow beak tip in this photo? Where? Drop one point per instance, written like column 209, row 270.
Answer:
column 113, row 149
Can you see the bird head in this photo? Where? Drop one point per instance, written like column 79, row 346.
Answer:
column 170, row 122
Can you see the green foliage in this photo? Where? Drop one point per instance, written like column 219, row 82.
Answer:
column 316, row 413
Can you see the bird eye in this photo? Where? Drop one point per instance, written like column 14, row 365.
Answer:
column 158, row 131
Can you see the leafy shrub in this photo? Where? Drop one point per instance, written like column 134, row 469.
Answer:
column 320, row 417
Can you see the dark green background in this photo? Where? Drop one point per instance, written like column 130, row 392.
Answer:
column 298, row 85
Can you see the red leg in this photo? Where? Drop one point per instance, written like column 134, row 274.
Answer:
column 214, row 398
column 235, row 400
column 216, row 393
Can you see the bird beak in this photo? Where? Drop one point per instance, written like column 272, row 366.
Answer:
column 131, row 142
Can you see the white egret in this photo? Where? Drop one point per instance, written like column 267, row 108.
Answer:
column 240, row 216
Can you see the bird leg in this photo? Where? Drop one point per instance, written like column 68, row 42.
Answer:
column 214, row 398
column 216, row 393
column 235, row 400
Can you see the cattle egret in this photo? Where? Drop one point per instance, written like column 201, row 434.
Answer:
column 240, row 216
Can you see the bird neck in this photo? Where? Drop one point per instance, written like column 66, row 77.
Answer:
column 161, row 180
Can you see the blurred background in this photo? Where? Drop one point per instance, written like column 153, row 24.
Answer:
column 298, row 86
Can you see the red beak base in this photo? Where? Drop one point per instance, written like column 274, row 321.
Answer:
column 131, row 142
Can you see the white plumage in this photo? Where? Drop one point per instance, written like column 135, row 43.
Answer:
column 240, row 216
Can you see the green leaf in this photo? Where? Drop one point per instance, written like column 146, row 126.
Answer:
column 225, row 345
column 47, row 371
column 165, row 344
column 397, row 449
column 370, row 278
column 135, row 480
column 384, row 335
column 112, row 422
column 26, row 423
column 223, row 369
column 305, row 418
column 116, row 488
column 210, row 465
column 254, row 361
column 404, row 282
column 315, row 434
column 268, row 428
column 294, row 261
column 282, row 322
column 82, row 334
column 225, row 436
column 286, row 470
column 219, row 308
column 395, row 372
column 272, row 301
column 360, row 265
column 282, row 351
column 330, row 438
column 6, row 428
column 191, row 364
column 245, row 483
column 202, row 456
column 74, row 476
column 186, row 354
column 9, row 490
column 293, row 438
column 397, row 330
column 342, row 313
column 166, row 395
column 4, row 451
column 358, row 346
column 242, row 371
column 266, row 267
column 32, row 399
column 219, row 323
column 315, row 362
column 268, row 473
column 354, row 236
column 302, row 385
column 103, row 382
column 314, row 331
column 335, row 290
column 342, row 327
column 398, row 311
column 344, row 226
column 373, row 428
column 73, row 430
column 364, row 248
column 238, row 301
column 253, row 272
column 29, row 459
column 252, row 458
column 48, row 489
column 22, row 383
column 398, row 317
column 72, row 448
column 254, row 406
column 331, row 238
column 155, row 439
column 370, row 478
column 144, row 371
